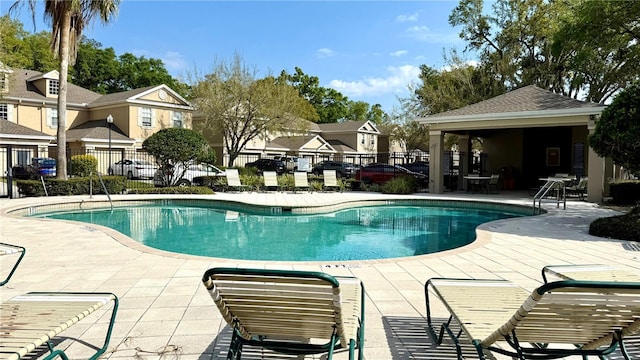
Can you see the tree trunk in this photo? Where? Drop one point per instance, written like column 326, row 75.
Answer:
column 61, row 169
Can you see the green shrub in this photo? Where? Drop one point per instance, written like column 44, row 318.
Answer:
column 199, row 190
column 625, row 192
column 316, row 185
column 83, row 165
column 73, row 186
column 400, row 185
column 621, row 227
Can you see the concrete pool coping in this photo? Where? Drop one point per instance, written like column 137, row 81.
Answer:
column 165, row 311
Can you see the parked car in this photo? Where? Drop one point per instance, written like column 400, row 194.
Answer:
column 290, row 163
column 342, row 169
column 133, row 169
column 179, row 176
column 45, row 167
column 421, row 167
column 381, row 173
column 268, row 165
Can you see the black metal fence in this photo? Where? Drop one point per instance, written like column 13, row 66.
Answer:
column 118, row 162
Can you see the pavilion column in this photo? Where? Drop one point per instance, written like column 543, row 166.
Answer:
column 464, row 146
column 436, row 155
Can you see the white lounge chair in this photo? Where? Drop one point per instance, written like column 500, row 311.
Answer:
column 270, row 180
column 291, row 312
column 330, row 180
column 300, row 181
column 558, row 319
column 32, row 320
column 233, row 180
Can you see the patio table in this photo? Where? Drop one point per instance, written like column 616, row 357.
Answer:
column 477, row 182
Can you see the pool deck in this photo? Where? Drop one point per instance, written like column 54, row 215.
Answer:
column 165, row 312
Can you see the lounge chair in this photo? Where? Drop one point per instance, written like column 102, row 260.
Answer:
column 233, row 180
column 557, row 319
column 11, row 250
column 33, row 319
column 290, row 312
column 300, row 181
column 270, row 180
column 592, row 272
column 330, row 180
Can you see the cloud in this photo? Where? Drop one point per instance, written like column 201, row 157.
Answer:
column 397, row 81
column 407, row 17
column 424, row 34
column 399, row 53
column 174, row 60
column 324, row 53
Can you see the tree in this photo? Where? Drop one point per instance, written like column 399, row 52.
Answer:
column 176, row 148
column 19, row 49
column 572, row 48
column 411, row 136
column 616, row 133
column 68, row 19
column 96, row 69
column 241, row 108
column 330, row 104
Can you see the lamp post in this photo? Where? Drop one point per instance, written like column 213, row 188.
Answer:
column 109, row 124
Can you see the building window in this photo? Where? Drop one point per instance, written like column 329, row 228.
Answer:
column 362, row 139
column 4, row 111
column 54, row 87
column 52, row 117
column 178, row 119
column 146, row 117
column 4, row 82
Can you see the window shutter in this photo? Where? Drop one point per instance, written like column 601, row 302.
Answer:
column 10, row 112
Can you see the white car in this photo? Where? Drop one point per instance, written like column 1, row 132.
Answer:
column 178, row 176
column 133, row 169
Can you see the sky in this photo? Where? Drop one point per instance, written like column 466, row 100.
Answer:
column 368, row 50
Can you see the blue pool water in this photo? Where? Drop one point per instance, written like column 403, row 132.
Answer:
column 375, row 232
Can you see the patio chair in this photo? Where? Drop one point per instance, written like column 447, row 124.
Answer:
column 11, row 250
column 270, row 180
column 330, row 180
column 493, row 184
column 558, row 319
column 300, row 181
column 290, row 312
column 233, row 180
column 579, row 189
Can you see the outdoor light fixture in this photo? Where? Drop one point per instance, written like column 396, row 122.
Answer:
column 109, row 124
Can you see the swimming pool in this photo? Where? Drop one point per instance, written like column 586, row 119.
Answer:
column 358, row 233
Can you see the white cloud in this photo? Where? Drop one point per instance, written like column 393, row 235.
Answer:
column 407, row 17
column 399, row 53
column 472, row 63
column 324, row 53
column 424, row 34
column 397, row 81
column 174, row 60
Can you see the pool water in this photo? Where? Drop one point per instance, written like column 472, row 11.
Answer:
column 360, row 233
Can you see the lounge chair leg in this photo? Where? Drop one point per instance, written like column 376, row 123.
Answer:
column 235, row 349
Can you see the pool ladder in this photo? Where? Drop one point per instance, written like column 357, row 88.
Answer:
column 104, row 187
column 550, row 186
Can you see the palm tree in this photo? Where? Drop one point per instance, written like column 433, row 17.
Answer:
column 68, row 19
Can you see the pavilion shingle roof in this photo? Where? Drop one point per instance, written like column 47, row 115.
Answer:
column 9, row 128
column 528, row 98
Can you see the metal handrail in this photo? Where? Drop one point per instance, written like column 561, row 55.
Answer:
column 551, row 184
column 104, row 187
column 44, row 186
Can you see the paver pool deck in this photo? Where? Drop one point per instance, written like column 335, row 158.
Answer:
column 165, row 312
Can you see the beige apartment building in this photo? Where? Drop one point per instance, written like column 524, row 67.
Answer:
column 29, row 117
